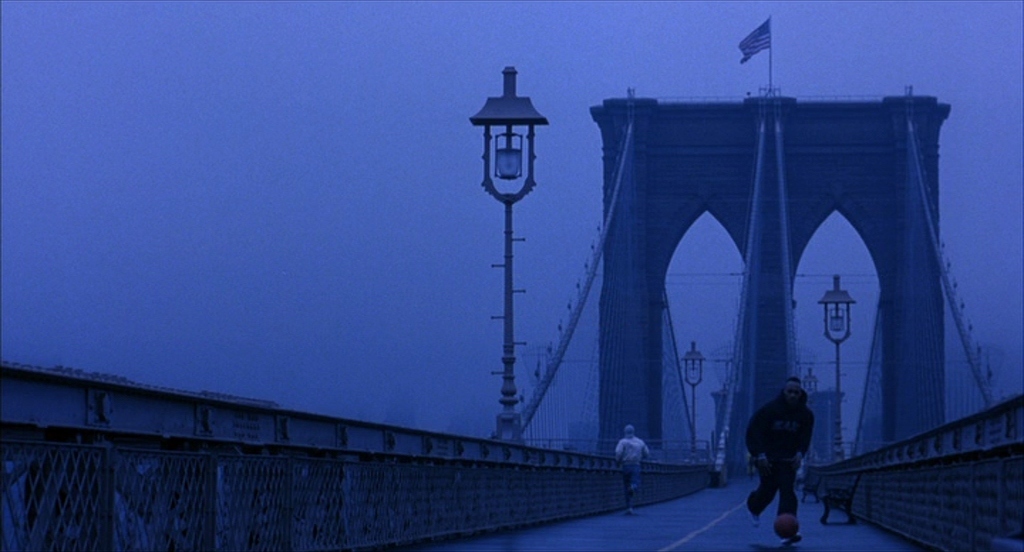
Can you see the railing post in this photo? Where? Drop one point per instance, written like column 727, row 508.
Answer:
column 210, row 503
column 108, row 502
column 346, row 504
column 289, row 508
column 1001, row 489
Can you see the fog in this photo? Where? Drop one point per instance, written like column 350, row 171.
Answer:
column 283, row 200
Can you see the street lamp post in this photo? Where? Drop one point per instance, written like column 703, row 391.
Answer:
column 693, row 361
column 508, row 111
column 837, row 329
column 810, row 382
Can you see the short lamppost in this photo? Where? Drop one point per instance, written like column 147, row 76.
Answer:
column 693, row 361
column 837, row 329
column 810, row 382
column 508, row 111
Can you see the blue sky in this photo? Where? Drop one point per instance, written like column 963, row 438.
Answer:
column 283, row 200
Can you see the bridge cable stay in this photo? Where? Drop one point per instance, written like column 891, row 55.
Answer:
column 622, row 206
column 556, row 358
column 591, row 391
column 555, row 361
column 868, row 436
column 672, row 378
column 916, row 172
column 617, row 298
column 786, row 264
column 919, row 357
column 733, row 379
column 934, row 325
column 548, row 425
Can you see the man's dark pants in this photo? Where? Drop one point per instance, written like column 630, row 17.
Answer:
column 630, row 481
column 780, row 478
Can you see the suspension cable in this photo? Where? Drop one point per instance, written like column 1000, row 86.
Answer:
column 966, row 340
column 787, row 265
column 739, row 347
column 530, row 409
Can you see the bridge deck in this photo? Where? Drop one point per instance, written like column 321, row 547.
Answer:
column 713, row 519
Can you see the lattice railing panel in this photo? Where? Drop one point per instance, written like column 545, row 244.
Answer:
column 987, row 494
column 67, row 497
column 253, row 504
column 54, row 498
column 318, row 492
column 957, row 506
column 161, row 501
column 375, row 488
column 1013, row 497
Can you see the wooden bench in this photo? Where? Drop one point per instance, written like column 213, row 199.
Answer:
column 810, row 486
column 840, row 497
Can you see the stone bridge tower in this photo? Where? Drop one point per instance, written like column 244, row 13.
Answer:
column 814, row 158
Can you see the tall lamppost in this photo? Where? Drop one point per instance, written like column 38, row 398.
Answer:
column 837, row 329
column 508, row 111
column 693, row 361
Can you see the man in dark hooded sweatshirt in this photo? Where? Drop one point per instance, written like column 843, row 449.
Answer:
column 778, row 436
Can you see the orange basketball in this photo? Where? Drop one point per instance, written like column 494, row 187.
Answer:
column 786, row 525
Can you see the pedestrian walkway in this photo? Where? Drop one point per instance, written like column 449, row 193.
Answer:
column 712, row 519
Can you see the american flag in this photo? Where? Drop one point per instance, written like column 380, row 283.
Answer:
column 756, row 41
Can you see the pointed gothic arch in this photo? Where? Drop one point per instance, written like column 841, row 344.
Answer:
column 689, row 158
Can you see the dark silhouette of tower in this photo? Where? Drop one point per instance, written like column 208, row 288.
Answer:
column 812, row 159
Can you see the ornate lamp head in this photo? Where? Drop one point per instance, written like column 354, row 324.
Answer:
column 837, row 312
column 513, row 113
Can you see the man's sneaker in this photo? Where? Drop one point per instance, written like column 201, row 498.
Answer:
column 755, row 519
column 792, row 540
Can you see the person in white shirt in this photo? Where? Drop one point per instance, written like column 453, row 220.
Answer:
column 628, row 453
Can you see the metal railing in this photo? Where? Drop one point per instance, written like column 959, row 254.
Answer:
column 669, row 451
column 957, row 487
column 96, row 464
column 92, row 497
column 740, row 100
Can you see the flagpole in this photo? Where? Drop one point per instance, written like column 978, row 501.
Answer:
column 771, row 91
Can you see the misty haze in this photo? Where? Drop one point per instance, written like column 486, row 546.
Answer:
column 282, row 200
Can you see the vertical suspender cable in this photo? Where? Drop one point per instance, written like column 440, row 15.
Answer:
column 867, row 438
column 673, row 357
